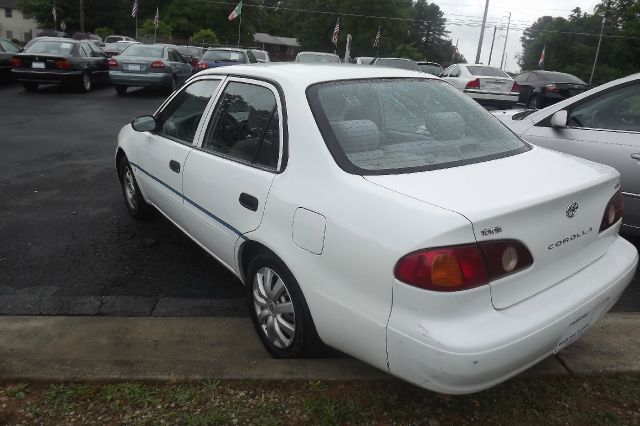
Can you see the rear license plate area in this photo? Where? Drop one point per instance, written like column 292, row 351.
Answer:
column 38, row 65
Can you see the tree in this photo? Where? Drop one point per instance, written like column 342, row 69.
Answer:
column 104, row 32
column 163, row 32
column 408, row 51
column 205, row 36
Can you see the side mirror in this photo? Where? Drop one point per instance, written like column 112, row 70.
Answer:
column 145, row 123
column 559, row 119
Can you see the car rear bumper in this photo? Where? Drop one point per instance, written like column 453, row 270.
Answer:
column 145, row 80
column 47, row 76
column 468, row 353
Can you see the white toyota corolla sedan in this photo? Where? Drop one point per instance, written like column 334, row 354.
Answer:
column 382, row 212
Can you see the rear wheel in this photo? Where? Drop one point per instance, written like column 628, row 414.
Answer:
column 137, row 206
column 30, row 87
column 120, row 89
column 85, row 82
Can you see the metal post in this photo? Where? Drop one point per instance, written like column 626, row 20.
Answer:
column 484, row 22
column 239, row 26
column 82, row 16
column 492, row 42
column 504, row 50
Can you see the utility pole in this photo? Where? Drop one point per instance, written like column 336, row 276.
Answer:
column 595, row 61
column 81, row 16
column 455, row 50
column 504, row 50
column 492, row 41
column 484, row 22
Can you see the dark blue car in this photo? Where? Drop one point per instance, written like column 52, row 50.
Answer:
column 221, row 56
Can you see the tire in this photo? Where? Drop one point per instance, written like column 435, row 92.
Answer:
column 535, row 102
column 30, row 87
column 133, row 199
column 85, row 82
column 120, row 89
column 283, row 321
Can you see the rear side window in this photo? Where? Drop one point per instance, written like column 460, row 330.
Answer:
column 245, row 125
column 181, row 117
column 387, row 126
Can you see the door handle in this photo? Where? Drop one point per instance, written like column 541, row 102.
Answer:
column 635, row 156
column 174, row 165
column 248, row 202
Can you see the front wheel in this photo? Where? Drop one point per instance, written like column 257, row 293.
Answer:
column 136, row 204
column 279, row 311
column 85, row 82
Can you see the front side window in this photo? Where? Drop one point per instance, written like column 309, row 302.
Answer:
column 617, row 109
column 180, row 119
column 245, row 125
column 399, row 125
column 455, row 71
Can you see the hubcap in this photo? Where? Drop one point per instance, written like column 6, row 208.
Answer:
column 129, row 189
column 274, row 309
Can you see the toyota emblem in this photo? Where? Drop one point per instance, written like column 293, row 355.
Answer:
column 572, row 209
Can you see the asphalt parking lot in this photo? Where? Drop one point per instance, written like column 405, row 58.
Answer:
column 68, row 245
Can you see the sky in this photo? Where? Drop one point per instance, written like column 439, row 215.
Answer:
column 464, row 18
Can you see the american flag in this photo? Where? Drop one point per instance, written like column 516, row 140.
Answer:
column 156, row 19
column 134, row 11
column 376, row 41
column 336, row 31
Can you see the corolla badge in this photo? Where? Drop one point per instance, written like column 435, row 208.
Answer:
column 572, row 209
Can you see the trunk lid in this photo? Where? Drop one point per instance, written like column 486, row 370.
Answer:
column 134, row 64
column 527, row 197
column 496, row 84
column 40, row 61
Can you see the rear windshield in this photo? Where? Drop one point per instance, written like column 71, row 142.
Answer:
column 397, row 63
column 189, row 51
column 260, row 54
column 224, row 55
column 486, row 71
column 430, row 69
column 144, row 51
column 400, row 125
column 560, row 77
column 117, row 47
column 311, row 58
column 112, row 39
column 51, row 47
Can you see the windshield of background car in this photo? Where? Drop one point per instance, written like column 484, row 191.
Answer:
column 397, row 63
column 117, row 47
column 51, row 47
column 315, row 59
column 224, row 55
column 430, row 69
column 144, row 51
column 560, row 77
column 401, row 125
column 486, row 71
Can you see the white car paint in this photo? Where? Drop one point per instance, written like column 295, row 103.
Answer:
column 341, row 235
column 491, row 89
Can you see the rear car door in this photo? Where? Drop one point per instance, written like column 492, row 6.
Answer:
column 228, row 178
column 605, row 128
column 165, row 150
column 181, row 69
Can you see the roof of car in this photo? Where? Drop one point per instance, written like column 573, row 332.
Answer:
column 428, row 63
column 63, row 39
column 317, row 53
column 233, row 49
column 307, row 74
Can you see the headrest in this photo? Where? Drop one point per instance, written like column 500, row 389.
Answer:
column 356, row 135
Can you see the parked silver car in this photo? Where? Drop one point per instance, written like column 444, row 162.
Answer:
column 148, row 66
column 603, row 125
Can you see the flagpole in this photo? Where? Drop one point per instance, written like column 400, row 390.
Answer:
column 136, row 25
column 239, row 26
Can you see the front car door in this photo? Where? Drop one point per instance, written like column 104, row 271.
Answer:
column 227, row 179
column 604, row 127
column 163, row 152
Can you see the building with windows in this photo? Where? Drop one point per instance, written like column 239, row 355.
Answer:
column 279, row 48
column 13, row 24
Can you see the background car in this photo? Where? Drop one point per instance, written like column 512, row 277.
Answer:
column 93, row 38
column 145, row 65
column 116, row 38
column 402, row 63
column 317, row 58
column 51, row 60
column 223, row 56
column 432, row 68
column 114, row 49
column 364, row 60
column 541, row 88
column 487, row 85
column 7, row 50
column 602, row 125
column 191, row 54
column 261, row 55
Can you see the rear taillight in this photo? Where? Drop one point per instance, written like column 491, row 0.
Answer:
column 157, row 64
column 613, row 212
column 62, row 64
column 113, row 63
column 194, row 62
column 473, row 84
column 16, row 62
column 552, row 88
column 515, row 88
column 202, row 65
column 462, row 267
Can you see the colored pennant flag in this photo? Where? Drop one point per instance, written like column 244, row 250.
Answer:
column 134, row 10
column 156, row 19
column 541, row 61
column 235, row 12
column 336, row 32
column 376, row 41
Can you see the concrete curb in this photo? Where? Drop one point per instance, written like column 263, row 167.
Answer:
column 190, row 349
